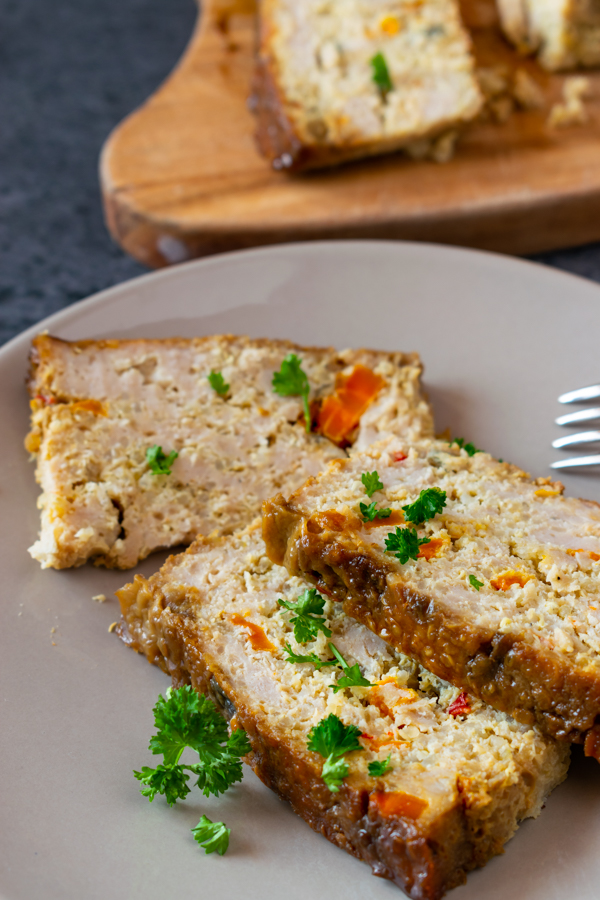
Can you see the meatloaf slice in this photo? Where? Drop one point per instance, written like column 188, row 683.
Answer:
column 565, row 34
column 504, row 599
column 99, row 406
column 462, row 775
column 354, row 78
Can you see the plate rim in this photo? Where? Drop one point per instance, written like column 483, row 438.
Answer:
column 106, row 294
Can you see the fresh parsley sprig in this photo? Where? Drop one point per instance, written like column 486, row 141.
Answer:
column 160, row 463
column 474, row 582
column 371, row 483
column 308, row 620
column 217, row 383
column 186, row 719
column 370, row 512
column 352, row 676
column 381, row 74
column 469, row 448
column 333, row 740
column 292, row 381
column 428, row 503
column 380, row 767
column 404, row 543
column 316, row 661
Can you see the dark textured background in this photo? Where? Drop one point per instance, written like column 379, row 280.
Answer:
column 69, row 71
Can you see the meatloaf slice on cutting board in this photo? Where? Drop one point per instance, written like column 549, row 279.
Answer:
column 503, row 600
column 340, row 80
column 461, row 775
column 98, row 407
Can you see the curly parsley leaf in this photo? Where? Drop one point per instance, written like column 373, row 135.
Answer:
column 404, row 543
column 370, row 512
column 469, row 448
column 308, row 620
column 159, row 463
column 316, row 661
column 371, row 483
column 381, row 74
column 213, row 836
column 332, row 739
column 380, row 767
column 475, row 583
column 292, row 381
column 187, row 719
column 171, row 781
column 217, row 383
column 352, row 676
column 428, row 503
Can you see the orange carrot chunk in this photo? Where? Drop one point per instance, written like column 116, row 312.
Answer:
column 93, row 406
column 506, row 580
column 431, row 549
column 341, row 411
column 397, row 803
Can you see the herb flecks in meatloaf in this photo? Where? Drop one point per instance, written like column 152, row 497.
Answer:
column 525, row 637
column 98, row 407
column 460, row 779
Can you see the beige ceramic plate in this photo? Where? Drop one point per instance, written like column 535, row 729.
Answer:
column 500, row 339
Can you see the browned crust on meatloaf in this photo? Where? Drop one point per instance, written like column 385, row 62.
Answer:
column 275, row 135
column 158, row 621
column 532, row 684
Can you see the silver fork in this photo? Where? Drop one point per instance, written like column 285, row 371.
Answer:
column 592, row 392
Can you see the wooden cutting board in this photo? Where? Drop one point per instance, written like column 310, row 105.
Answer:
column 181, row 176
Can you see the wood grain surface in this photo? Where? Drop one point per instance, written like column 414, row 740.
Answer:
column 181, row 176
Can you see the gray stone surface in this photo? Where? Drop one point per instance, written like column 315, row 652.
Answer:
column 69, row 71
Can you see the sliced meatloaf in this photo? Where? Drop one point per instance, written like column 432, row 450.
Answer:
column 564, row 33
column 338, row 81
column 461, row 775
column 98, row 407
column 504, row 598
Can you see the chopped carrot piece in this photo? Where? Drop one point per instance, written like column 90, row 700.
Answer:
column 432, row 549
column 341, row 411
column 257, row 637
column 93, row 406
column 365, row 381
column 397, row 803
column 506, row 580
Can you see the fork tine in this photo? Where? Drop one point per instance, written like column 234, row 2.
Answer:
column 576, row 461
column 586, row 393
column 583, row 415
column 582, row 437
